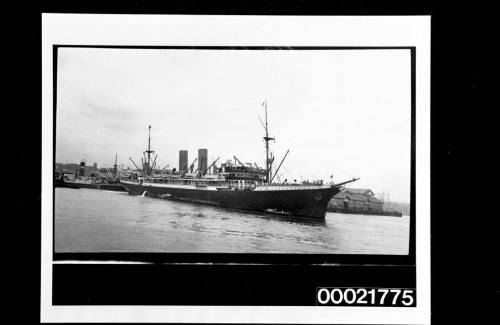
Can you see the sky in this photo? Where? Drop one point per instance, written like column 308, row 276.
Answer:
column 344, row 113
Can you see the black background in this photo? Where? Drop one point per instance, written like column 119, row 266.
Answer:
column 254, row 282
column 463, row 149
column 250, row 285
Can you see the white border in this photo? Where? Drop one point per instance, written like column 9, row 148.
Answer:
column 242, row 31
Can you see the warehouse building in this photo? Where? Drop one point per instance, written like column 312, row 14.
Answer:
column 356, row 199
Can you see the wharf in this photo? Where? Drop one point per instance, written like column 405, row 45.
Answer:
column 365, row 212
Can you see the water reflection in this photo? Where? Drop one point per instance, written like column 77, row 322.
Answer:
column 121, row 222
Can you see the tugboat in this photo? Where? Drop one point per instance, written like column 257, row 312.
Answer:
column 234, row 185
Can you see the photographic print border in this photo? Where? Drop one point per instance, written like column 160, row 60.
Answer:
column 269, row 305
column 250, row 258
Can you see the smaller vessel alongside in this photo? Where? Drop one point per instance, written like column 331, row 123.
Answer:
column 59, row 181
column 107, row 183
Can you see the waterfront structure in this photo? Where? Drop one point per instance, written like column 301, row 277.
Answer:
column 356, row 199
column 72, row 168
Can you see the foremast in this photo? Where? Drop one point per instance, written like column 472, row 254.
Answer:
column 148, row 169
column 115, row 167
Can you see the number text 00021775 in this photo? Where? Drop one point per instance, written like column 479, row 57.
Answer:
column 388, row 297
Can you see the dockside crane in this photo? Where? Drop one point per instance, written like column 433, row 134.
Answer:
column 208, row 168
column 225, row 164
column 239, row 162
column 190, row 169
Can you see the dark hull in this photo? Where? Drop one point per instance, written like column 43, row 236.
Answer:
column 310, row 203
column 60, row 183
column 107, row 187
column 82, row 185
column 112, row 187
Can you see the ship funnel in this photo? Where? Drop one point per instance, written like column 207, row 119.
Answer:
column 183, row 160
column 82, row 169
column 202, row 160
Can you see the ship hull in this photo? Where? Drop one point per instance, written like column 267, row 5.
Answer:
column 82, row 185
column 112, row 187
column 61, row 183
column 311, row 203
column 107, row 187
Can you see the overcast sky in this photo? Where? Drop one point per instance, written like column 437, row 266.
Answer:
column 345, row 113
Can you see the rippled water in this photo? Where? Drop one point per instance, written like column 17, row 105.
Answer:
column 89, row 220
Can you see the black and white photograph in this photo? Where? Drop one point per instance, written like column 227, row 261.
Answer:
column 233, row 150
column 179, row 151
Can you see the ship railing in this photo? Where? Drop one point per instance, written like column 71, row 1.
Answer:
column 281, row 187
column 296, row 184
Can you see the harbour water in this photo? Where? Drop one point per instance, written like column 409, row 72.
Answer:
column 88, row 220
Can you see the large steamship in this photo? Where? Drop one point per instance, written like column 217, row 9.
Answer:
column 235, row 185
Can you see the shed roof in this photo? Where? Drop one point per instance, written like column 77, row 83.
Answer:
column 360, row 197
column 358, row 190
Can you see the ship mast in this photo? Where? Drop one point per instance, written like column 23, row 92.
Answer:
column 267, row 139
column 149, row 152
column 115, row 170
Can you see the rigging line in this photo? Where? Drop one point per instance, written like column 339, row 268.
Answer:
column 261, row 123
column 290, row 174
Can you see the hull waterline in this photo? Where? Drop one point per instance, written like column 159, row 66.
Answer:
column 311, row 203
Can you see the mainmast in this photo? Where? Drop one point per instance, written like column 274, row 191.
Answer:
column 115, row 169
column 267, row 139
column 149, row 152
